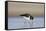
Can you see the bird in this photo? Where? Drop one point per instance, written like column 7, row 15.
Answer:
column 27, row 16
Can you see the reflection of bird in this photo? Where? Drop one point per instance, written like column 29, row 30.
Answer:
column 27, row 16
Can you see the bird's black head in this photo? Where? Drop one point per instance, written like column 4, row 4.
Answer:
column 31, row 17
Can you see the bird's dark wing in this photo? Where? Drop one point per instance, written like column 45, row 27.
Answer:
column 26, row 15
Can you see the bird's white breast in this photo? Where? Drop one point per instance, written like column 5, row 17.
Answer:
column 27, row 18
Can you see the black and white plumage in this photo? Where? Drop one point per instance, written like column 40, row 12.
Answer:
column 27, row 16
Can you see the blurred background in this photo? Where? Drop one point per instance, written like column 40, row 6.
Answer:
column 16, row 8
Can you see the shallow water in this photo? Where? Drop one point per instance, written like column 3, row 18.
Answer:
column 20, row 22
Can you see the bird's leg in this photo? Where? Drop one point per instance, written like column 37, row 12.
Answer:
column 30, row 23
